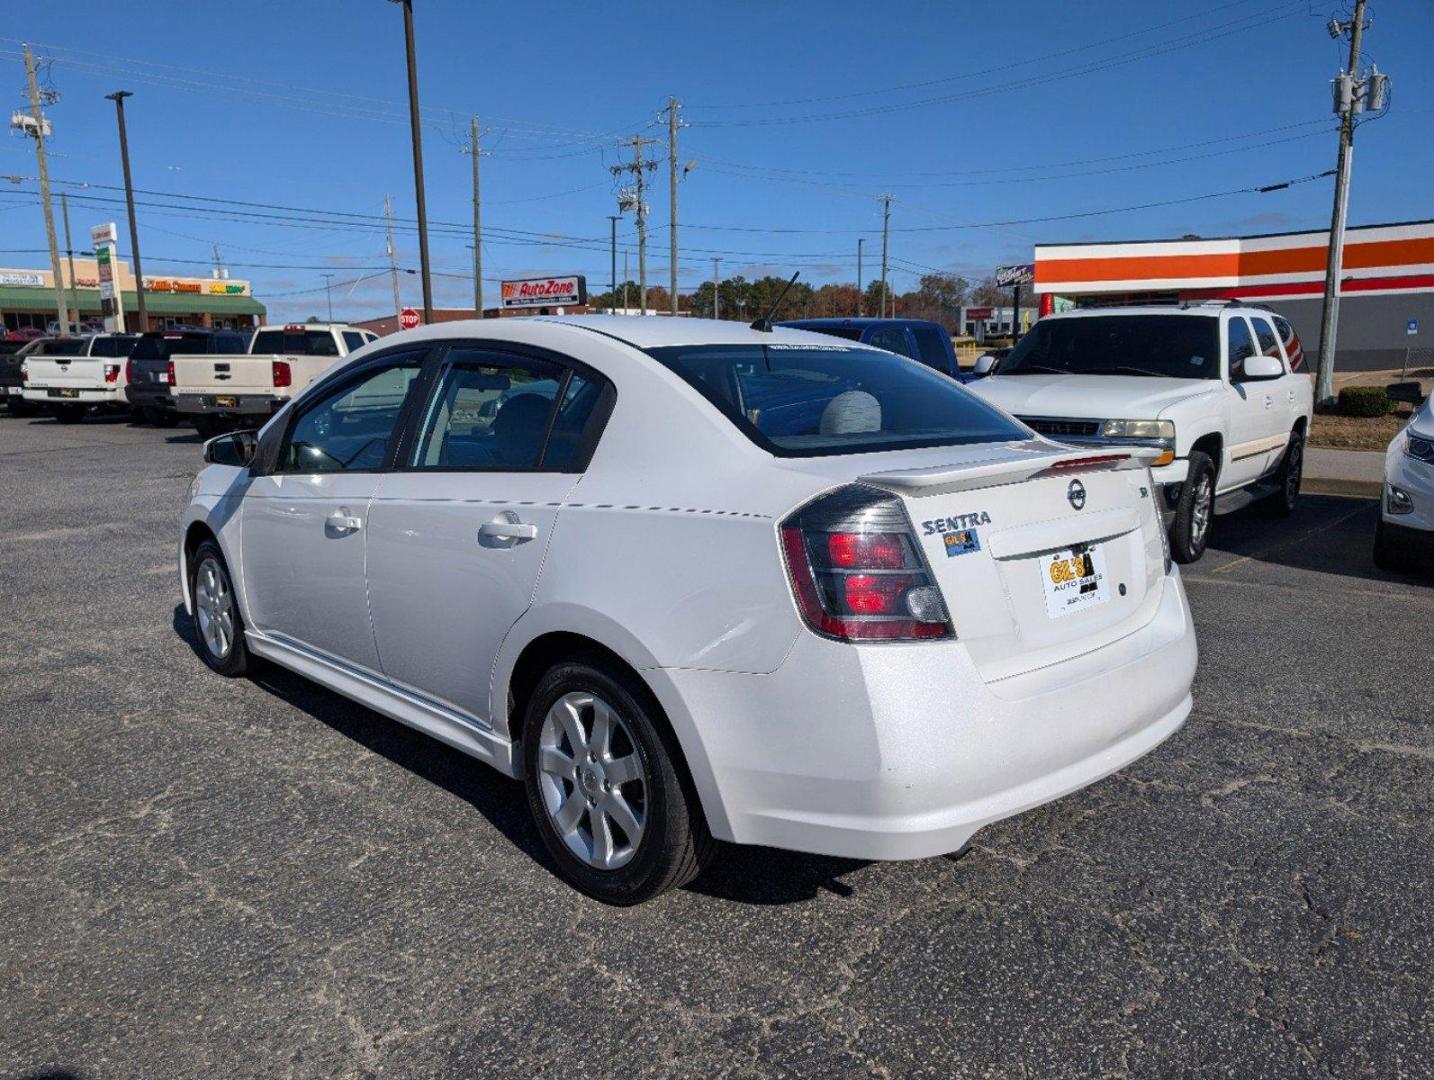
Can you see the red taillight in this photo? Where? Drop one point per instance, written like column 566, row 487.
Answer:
column 282, row 375
column 112, row 373
column 857, row 572
column 169, row 373
column 129, row 371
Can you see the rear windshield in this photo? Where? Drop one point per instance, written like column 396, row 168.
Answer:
column 1165, row 346
column 296, row 342
column 113, row 346
column 70, row 346
column 163, row 346
column 813, row 400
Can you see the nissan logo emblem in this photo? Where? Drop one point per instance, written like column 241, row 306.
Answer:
column 1076, row 494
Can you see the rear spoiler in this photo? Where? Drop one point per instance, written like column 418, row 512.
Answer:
column 945, row 479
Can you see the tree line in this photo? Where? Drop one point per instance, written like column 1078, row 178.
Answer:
column 937, row 297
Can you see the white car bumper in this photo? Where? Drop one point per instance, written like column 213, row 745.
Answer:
column 903, row 751
column 1416, row 480
column 69, row 395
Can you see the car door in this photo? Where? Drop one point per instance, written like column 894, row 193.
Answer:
column 302, row 531
column 1280, row 394
column 458, row 533
column 1250, row 407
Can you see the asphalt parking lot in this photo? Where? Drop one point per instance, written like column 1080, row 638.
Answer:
column 202, row 877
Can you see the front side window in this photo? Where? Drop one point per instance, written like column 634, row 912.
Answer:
column 813, row 400
column 893, row 339
column 1163, row 346
column 349, row 428
column 1241, row 346
column 489, row 412
column 932, row 344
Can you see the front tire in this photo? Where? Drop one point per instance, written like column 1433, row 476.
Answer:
column 1195, row 512
column 1392, row 550
column 1282, row 503
column 216, row 619
column 604, row 786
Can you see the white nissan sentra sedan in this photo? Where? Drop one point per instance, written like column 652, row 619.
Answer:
column 692, row 580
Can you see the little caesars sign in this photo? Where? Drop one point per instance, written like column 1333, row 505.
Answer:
column 548, row 292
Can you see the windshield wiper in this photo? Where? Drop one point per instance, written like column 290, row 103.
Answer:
column 1034, row 367
column 1138, row 371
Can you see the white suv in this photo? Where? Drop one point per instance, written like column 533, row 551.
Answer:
column 690, row 579
column 1220, row 389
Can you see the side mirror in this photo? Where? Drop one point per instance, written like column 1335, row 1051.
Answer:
column 1263, row 367
column 985, row 364
column 1409, row 392
column 236, row 449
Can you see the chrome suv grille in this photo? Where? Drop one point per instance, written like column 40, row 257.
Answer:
column 1059, row 428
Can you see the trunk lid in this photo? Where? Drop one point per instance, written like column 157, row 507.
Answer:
column 225, row 374
column 1039, row 556
column 67, row 371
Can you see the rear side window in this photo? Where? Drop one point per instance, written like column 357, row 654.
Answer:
column 353, row 340
column 1265, row 335
column 489, row 412
column 1240, row 344
column 814, row 400
column 933, row 344
column 1291, row 341
column 893, row 339
column 296, row 342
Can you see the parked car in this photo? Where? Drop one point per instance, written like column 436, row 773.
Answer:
column 1219, row 390
column 71, row 376
column 1404, row 535
column 917, row 338
column 25, row 333
column 221, row 393
column 867, row 638
column 151, row 371
column 12, row 378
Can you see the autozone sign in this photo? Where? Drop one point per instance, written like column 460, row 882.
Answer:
column 545, row 292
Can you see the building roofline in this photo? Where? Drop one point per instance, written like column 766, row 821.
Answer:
column 1215, row 239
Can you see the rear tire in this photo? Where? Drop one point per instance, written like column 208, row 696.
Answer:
column 1291, row 470
column 597, row 755
column 218, row 626
column 162, row 418
column 1195, row 512
column 19, row 407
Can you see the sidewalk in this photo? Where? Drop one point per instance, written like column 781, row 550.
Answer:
column 1343, row 472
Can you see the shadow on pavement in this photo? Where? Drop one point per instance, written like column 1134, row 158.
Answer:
column 1328, row 534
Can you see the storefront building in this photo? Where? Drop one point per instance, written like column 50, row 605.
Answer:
column 1387, row 285
column 27, row 298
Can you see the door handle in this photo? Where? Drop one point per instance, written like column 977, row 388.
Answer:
column 1269, row 401
column 508, row 527
column 341, row 522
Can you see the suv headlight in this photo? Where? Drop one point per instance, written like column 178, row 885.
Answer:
column 1419, row 448
column 1138, row 429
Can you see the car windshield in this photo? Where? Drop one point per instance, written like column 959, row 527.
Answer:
column 1165, row 346
column 812, row 400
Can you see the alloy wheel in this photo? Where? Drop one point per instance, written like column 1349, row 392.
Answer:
column 593, row 781
column 214, row 602
column 1293, row 469
column 1201, row 510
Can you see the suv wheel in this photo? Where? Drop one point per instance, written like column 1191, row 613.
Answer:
column 1392, row 551
column 217, row 622
column 207, row 426
column 1195, row 512
column 1288, row 477
column 604, row 787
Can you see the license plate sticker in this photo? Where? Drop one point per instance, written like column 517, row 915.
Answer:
column 1074, row 580
column 226, row 402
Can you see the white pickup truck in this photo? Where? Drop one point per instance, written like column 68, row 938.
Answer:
column 1219, row 387
column 222, row 392
column 69, row 376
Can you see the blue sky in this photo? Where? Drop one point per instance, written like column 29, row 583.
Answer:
column 797, row 115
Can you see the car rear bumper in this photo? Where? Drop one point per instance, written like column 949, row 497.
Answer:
column 149, row 396
column 232, row 404
column 46, row 395
column 902, row 751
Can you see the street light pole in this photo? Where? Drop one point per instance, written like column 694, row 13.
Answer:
column 118, row 98
column 329, row 291
column 859, row 241
column 417, row 138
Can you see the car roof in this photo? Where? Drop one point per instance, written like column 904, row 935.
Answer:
column 649, row 332
column 855, row 322
column 1197, row 308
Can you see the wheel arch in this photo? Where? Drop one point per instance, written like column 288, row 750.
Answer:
column 1212, row 444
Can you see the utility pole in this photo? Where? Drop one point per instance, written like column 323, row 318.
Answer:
column 39, row 134
column 392, row 260
column 118, row 98
column 70, row 257
column 1348, row 101
column 612, row 281
column 626, row 277
column 417, row 137
column 885, row 229
column 329, row 291
column 716, row 285
column 672, row 182
column 473, row 136
column 639, row 169
column 859, row 241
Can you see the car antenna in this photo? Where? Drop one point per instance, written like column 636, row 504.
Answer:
column 764, row 324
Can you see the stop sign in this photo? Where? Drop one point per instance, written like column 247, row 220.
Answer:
column 407, row 318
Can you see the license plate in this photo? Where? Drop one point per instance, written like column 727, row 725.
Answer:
column 16, row 391
column 64, row 392
column 225, row 402
column 159, row 376
column 1074, row 580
